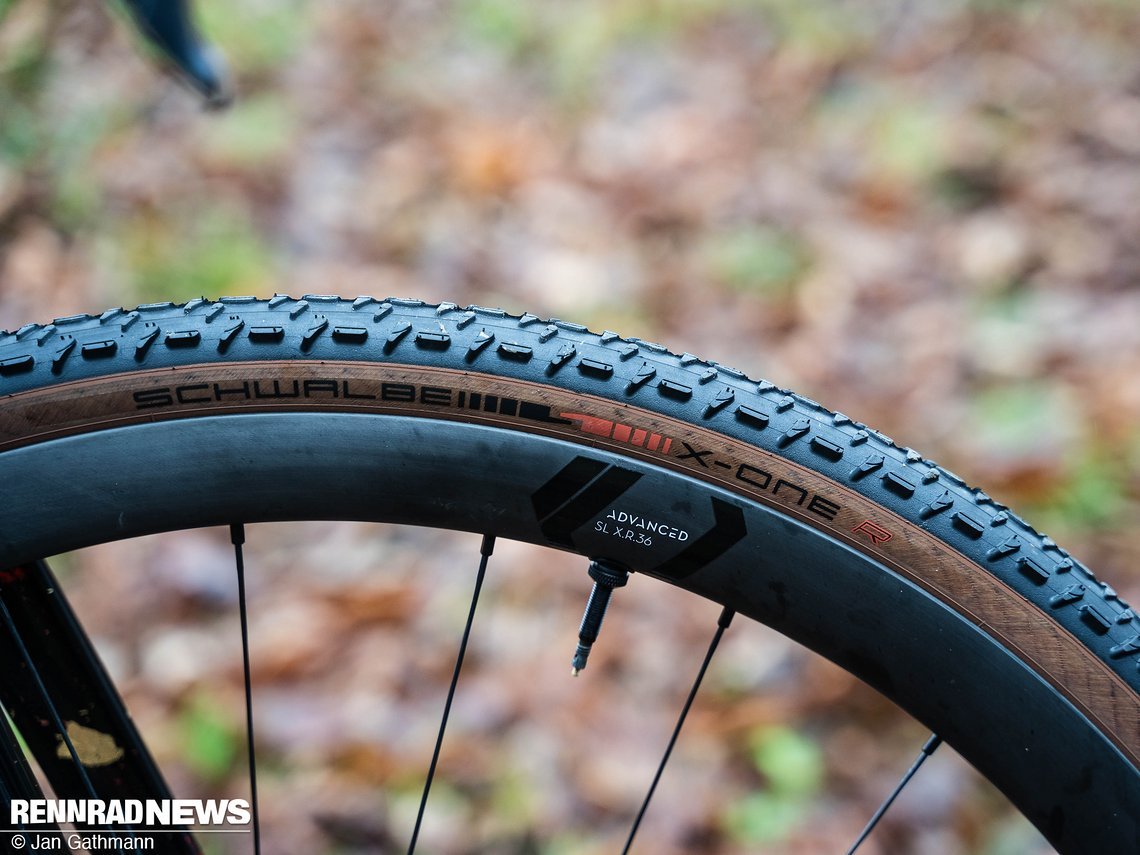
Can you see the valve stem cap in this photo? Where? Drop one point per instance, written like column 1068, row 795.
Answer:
column 581, row 654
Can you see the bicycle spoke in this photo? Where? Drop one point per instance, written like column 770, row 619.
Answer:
column 237, row 538
column 56, row 721
column 485, row 550
column 929, row 748
column 17, row 781
column 722, row 623
column 53, row 713
column 49, row 672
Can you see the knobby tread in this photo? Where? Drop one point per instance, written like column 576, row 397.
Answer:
column 626, row 370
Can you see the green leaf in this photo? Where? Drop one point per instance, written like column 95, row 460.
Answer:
column 1009, row 418
column 756, row 258
column 20, row 138
column 1094, row 494
column 791, row 762
column 255, row 36
column 909, row 140
column 209, row 741
column 763, row 818
column 252, row 133
column 508, row 25
column 193, row 251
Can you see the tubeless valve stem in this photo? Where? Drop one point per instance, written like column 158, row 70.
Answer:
column 607, row 576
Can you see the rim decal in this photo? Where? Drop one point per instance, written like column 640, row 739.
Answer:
column 580, row 491
column 728, row 530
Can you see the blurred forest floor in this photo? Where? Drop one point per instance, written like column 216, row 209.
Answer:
column 926, row 216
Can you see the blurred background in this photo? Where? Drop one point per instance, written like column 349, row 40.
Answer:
column 926, row 216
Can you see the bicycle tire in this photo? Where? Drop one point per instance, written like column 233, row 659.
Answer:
column 242, row 409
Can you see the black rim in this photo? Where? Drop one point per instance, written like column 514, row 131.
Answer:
column 1025, row 738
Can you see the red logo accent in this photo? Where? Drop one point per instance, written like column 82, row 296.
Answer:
column 13, row 575
column 622, row 433
column 876, row 533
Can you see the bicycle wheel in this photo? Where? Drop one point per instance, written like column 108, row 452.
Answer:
column 247, row 410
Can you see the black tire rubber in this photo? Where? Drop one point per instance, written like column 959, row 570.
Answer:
column 172, row 416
